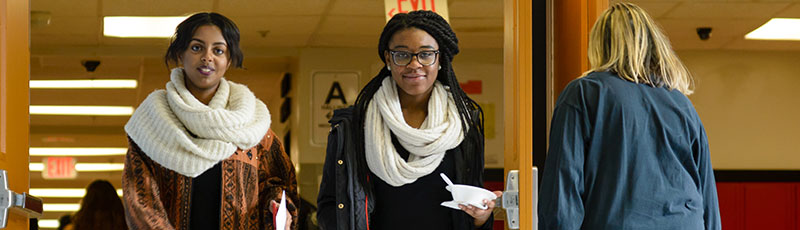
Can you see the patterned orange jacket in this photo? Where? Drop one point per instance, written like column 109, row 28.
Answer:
column 158, row 198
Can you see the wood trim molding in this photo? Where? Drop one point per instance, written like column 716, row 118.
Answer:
column 757, row 175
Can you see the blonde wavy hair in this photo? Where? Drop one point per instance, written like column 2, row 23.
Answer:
column 625, row 40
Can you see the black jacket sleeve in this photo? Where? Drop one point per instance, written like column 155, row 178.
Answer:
column 326, row 200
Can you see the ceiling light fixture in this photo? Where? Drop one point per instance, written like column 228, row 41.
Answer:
column 777, row 29
column 48, row 223
column 83, row 167
column 84, row 151
column 61, row 207
column 84, row 84
column 62, row 192
column 81, row 110
column 140, row 27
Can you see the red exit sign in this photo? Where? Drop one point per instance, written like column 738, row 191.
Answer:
column 59, row 168
column 404, row 6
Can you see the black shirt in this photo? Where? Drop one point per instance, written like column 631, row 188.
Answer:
column 206, row 201
column 415, row 205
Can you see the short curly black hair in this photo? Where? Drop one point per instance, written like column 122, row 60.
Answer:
column 185, row 31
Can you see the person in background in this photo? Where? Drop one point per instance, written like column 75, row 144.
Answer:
column 410, row 123
column 101, row 208
column 202, row 154
column 65, row 222
column 627, row 148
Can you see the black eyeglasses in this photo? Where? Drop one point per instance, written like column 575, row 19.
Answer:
column 403, row 58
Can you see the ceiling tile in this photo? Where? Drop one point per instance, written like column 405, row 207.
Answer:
column 687, row 28
column 251, row 8
column 154, row 7
column 72, row 25
column 79, row 120
column 480, row 41
column 274, row 40
column 284, row 25
column 657, row 9
column 725, row 10
column 104, row 97
column 135, row 41
column 742, row 44
column 474, row 25
column 792, row 11
column 358, row 8
column 345, row 40
column 63, row 40
column 476, row 9
column 355, row 25
column 66, row 8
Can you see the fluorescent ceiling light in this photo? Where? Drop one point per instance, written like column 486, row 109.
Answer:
column 777, row 29
column 86, row 151
column 62, row 192
column 140, row 27
column 83, row 167
column 61, row 207
column 81, row 110
column 84, row 84
column 48, row 223
column 98, row 167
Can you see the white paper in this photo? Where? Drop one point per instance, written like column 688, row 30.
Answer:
column 280, row 218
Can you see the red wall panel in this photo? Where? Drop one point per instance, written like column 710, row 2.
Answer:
column 770, row 206
column 731, row 205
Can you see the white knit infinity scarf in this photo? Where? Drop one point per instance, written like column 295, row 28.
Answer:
column 440, row 132
column 182, row 134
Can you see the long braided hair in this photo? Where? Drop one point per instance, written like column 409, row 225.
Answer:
column 469, row 111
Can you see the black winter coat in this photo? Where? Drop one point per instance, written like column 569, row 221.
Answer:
column 342, row 201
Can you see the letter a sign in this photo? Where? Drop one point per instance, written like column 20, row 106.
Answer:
column 404, row 6
column 331, row 91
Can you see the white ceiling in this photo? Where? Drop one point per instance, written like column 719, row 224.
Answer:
column 730, row 20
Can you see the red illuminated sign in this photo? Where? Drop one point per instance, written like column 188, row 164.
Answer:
column 59, row 168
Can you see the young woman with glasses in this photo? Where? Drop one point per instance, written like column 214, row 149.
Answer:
column 410, row 123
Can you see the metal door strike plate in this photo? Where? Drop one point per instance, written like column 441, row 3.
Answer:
column 510, row 199
column 21, row 204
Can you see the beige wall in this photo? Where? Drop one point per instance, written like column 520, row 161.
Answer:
column 748, row 103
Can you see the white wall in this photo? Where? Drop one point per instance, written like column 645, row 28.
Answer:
column 748, row 103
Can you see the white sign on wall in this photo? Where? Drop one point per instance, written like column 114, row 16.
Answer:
column 331, row 91
column 404, row 6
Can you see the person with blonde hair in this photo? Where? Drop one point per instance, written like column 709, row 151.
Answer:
column 627, row 148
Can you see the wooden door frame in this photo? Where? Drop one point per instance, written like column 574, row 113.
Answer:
column 15, row 98
column 517, row 85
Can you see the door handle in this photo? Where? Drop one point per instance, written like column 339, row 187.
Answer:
column 22, row 204
column 510, row 198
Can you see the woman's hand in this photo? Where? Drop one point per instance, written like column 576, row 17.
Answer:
column 274, row 206
column 481, row 215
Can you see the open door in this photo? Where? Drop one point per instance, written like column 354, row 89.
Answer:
column 14, row 99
